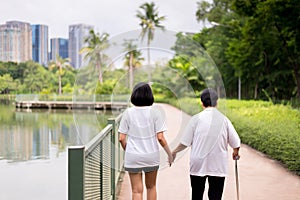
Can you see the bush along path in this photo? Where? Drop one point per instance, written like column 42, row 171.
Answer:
column 271, row 129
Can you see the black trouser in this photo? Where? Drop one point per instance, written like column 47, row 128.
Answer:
column 215, row 191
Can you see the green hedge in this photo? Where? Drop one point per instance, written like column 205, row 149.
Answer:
column 271, row 129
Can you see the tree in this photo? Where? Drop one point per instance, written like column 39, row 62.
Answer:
column 149, row 21
column 216, row 39
column 255, row 40
column 281, row 19
column 60, row 64
column 14, row 69
column 133, row 59
column 96, row 44
column 7, row 84
column 36, row 77
column 188, row 52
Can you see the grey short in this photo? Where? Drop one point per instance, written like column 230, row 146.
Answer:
column 142, row 169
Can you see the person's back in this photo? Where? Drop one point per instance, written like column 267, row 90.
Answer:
column 140, row 129
column 209, row 133
column 142, row 149
column 212, row 132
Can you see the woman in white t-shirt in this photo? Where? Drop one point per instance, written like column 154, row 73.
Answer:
column 209, row 133
column 141, row 128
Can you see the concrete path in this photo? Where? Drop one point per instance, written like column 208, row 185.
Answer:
column 260, row 178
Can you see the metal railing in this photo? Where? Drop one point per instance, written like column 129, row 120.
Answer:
column 94, row 169
column 72, row 97
column 8, row 97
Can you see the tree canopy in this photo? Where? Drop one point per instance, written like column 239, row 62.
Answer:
column 256, row 40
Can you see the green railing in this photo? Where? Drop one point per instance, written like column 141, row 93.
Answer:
column 94, row 169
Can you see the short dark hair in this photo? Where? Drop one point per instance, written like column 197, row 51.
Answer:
column 209, row 97
column 142, row 95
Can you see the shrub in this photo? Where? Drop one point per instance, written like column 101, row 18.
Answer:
column 271, row 129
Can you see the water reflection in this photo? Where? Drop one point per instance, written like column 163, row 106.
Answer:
column 33, row 143
column 28, row 135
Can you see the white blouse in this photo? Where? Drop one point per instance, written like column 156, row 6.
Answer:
column 209, row 133
column 141, row 124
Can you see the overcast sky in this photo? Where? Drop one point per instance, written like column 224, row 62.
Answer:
column 111, row 16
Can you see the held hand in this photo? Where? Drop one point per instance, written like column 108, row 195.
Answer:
column 170, row 160
column 179, row 148
column 170, row 157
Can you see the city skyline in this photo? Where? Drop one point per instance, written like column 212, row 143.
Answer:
column 21, row 41
column 110, row 16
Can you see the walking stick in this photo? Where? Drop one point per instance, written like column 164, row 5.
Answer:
column 237, row 179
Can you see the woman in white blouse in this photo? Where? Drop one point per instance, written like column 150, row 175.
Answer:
column 141, row 128
column 209, row 133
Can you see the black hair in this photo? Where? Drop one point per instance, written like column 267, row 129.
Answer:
column 142, row 95
column 209, row 97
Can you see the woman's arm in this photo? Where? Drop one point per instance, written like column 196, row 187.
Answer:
column 161, row 139
column 163, row 142
column 179, row 148
column 122, row 140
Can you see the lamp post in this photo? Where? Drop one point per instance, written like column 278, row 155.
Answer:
column 239, row 87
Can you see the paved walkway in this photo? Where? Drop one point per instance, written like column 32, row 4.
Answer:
column 260, row 178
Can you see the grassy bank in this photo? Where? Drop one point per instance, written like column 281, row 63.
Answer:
column 271, row 129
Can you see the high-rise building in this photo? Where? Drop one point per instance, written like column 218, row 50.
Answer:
column 77, row 35
column 10, row 43
column 40, row 43
column 59, row 46
column 15, row 41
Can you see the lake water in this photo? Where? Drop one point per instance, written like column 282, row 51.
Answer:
column 33, row 149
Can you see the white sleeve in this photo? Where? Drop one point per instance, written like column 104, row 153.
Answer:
column 233, row 138
column 188, row 135
column 159, row 120
column 124, row 123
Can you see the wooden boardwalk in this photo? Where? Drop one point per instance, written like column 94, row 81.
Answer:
column 71, row 105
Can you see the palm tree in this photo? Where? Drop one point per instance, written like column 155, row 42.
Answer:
column 96, row 44
column 60, row 64
column 149, row 21
column 132, row 59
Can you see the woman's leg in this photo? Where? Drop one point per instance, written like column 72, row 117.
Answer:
column 136, row 180
column 216, row 185
column 150, row 179
column 198, row 186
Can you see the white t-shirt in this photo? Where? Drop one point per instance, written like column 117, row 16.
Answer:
column 209, row 133
column 141, row 124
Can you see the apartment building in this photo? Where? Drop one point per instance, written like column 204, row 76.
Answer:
column 77, row 36
column 15, row 41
